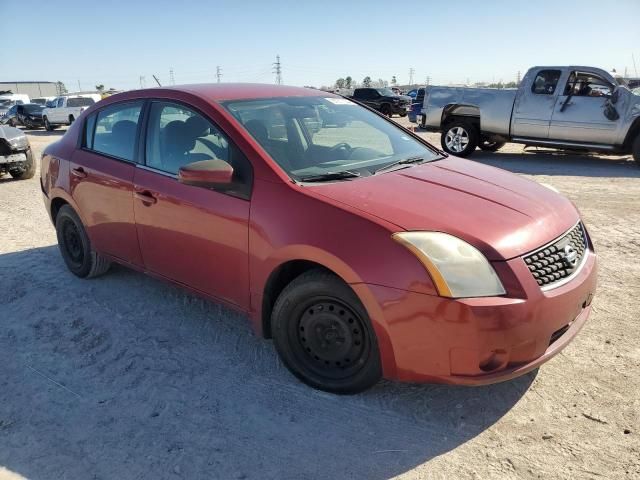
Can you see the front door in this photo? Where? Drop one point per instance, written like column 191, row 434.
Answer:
column 193, row 235
column 579, row 113
column 534, row 105
column 101, row 179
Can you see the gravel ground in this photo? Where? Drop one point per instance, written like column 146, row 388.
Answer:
column 127, row 377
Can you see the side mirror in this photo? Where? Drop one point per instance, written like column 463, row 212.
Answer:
column 615, row 96
column 207, row 174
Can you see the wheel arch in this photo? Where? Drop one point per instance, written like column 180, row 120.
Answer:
column 632, row 134
column 459, row 111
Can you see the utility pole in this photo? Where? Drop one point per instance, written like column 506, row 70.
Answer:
column 411, row 72
column 172, row 80
column 277, row 69
column 428, row 81
column 143, row 82
column 79, row 87
column 218, row 73
column 635, row 69
column 518, row 78
column 157, row 81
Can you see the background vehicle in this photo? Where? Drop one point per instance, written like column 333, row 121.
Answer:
column 9, row 100
column 42, row 100
column 28, row 115
column 383, row 100
column 208, row 170
column 577, row 108
column 67, row 108
column 416, row 104
column 16, row 157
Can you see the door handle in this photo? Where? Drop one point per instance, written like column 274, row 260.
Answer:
column 79, row 172
column 146, row 197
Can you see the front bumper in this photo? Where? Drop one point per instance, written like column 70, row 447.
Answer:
column 477, row 341
column 13, row 159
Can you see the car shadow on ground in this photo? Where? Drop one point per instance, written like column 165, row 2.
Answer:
column 549, row 162
column 44, row 133
column 125, row 376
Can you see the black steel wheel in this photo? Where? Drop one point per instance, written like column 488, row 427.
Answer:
column 323, row 335
column 75, row 246
column 385, row 109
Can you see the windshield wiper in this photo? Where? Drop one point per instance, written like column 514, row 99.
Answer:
column 405, row 161
column 322, row 177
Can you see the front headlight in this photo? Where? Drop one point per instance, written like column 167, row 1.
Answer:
column 457, row 268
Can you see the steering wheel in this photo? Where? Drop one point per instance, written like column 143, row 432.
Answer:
column 341, row 146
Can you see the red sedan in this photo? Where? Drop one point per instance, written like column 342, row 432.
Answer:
column 362, row 250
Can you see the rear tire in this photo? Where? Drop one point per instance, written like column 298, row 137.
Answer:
column 28, row 171
column 47, row 126
column 71, row 119
column 459, row 138
column 489, row 146
column 323, row 335
column 75, row 246
column 635, row 149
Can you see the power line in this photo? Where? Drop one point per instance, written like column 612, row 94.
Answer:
column 278, row 70
column 218, row 73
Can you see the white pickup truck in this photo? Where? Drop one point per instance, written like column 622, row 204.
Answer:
column 65, row 109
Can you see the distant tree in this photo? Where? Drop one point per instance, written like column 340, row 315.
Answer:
column 382, row 83
column 100, row 88
column 511, row 85
column 366, row 81
column 340, row 83
column 394, row 81
column 347, row 82
column 60, row 88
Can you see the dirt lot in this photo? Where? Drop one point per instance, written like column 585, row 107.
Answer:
column 127, row 377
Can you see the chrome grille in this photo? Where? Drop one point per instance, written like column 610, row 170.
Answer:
column 560, row 259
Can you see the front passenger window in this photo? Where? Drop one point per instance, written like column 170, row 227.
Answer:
column 177, row 136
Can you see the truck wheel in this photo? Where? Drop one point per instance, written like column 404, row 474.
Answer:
column 488, row 146
column 323, row 334
column 459, row 139
column 71, row 119
column 27, row 171
column 636, row 149
column 75, row 246
column 385, row 109
column 47, row 126
column 403, row 114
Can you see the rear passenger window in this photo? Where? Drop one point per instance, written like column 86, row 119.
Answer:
column 113, row 130
column 546, row 82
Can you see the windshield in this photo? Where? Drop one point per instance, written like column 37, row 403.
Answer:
column 316, row 136
column 33, row 108
column 387, row 92
column 39, row 101
column 5, row 102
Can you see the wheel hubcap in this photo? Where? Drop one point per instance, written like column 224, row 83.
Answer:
column 332, row 338
column 457, row 139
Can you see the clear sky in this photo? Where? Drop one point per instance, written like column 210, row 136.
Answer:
column 115, row 42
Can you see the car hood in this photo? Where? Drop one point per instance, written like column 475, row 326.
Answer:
column 500, row 213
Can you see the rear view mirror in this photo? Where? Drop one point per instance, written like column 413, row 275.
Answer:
column 615, row 95
column 207, row 174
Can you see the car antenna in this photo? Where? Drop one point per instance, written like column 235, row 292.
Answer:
column 157, row 81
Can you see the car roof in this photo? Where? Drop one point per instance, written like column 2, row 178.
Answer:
column 240, row 91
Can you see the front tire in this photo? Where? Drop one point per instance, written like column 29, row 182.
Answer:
column 323, row 335
column 75, row 246
column 635, row 149
column 385, row 109
column 47, row 126
column 27, row 171
column 459, row 139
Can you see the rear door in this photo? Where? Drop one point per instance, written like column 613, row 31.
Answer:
column 101, row 179
column 579, row 116
column 534, row 104
column 193, row 235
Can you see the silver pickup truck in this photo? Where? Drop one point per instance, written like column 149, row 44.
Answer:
column 575, row 108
